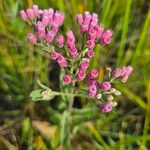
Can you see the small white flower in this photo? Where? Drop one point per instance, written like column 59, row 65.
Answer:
column 110, row 98
column 114, row 104
column 46, row 95
column 108, row 69
column 99, row 96
column 113, row 90
column 117, row 93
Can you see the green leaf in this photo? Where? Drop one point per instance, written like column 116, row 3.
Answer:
column 63, row 125
column 35, row 94
column 55, row 139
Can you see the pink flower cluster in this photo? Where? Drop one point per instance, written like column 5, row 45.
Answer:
column 123, row 73
column 46, row 23
column 59, row 58
column 94, row 31
column 71, row 44
column 75, row 61
column 81, row 74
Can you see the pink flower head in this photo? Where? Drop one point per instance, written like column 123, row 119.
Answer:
column 50, row 11
column 60, row 40
column 106, row 107
column 99, row 30
column 106, row 37
column 84, row 28
column 117, row 73
column 67, row 79
column 124, row 78
column 105, row 86
column 90, row 44
column 39, row 24
column 23, row 15
column 92, row 34
column 92, row 91
column 84, row 65
column 94, row 20
column 54, row 27
column 129, row 70
column 90, row 54
column 61, row 61
column 45, row 20
column 92, row 82
column 32, row 39
column 30, row 13
column 49, row 37
column 41, row 32
column 87, row 18
column 54, row 55
column 70, row 37
column 59, row 18
column 41, row 12
column 35, row 9
column 73, row 52
column 80, row 75
column 79, row 19
column 93, row 74
column 126, row 71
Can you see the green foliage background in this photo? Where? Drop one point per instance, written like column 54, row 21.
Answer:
column 126, row 127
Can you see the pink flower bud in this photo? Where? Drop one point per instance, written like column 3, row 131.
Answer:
column 70, row 37
column 90, row 44
column 54, row 55
column 45, row 20
column 45, row 12
column 41, row 32
column 94, row 20
column 49, row 37
column 90, row 54
column 32, row 39
column 73, row 52
column 40, row 12
column 61, row 61
column 93, row 74
column 39, row 25
column 124, row 78
column 60, row 40
column 92, row 91
column 84, row 65
column 106, row 37
column 23, row 15
column 80, row 75
column 117, row 73
column 36, row 10
column 58, row 18
column 67, row 79
column 87, row 18
column 79, row 19
column 105, row 86
column 92, row 82
column 106, row 107
column 51, row 11
column 92, row 34
column 84, row 28
column 54, row 27
column 30, row 13
column 99, row 30
column 129, row 70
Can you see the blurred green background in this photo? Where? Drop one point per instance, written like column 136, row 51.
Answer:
column 28, row 125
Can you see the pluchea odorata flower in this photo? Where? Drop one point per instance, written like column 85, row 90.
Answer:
column 74, row 58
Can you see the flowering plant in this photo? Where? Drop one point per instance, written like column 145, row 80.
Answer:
column 73, row 57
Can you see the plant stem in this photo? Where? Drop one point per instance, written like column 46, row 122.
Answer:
column 71, row 103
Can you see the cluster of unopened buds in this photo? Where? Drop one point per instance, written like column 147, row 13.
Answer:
column 73, row 57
